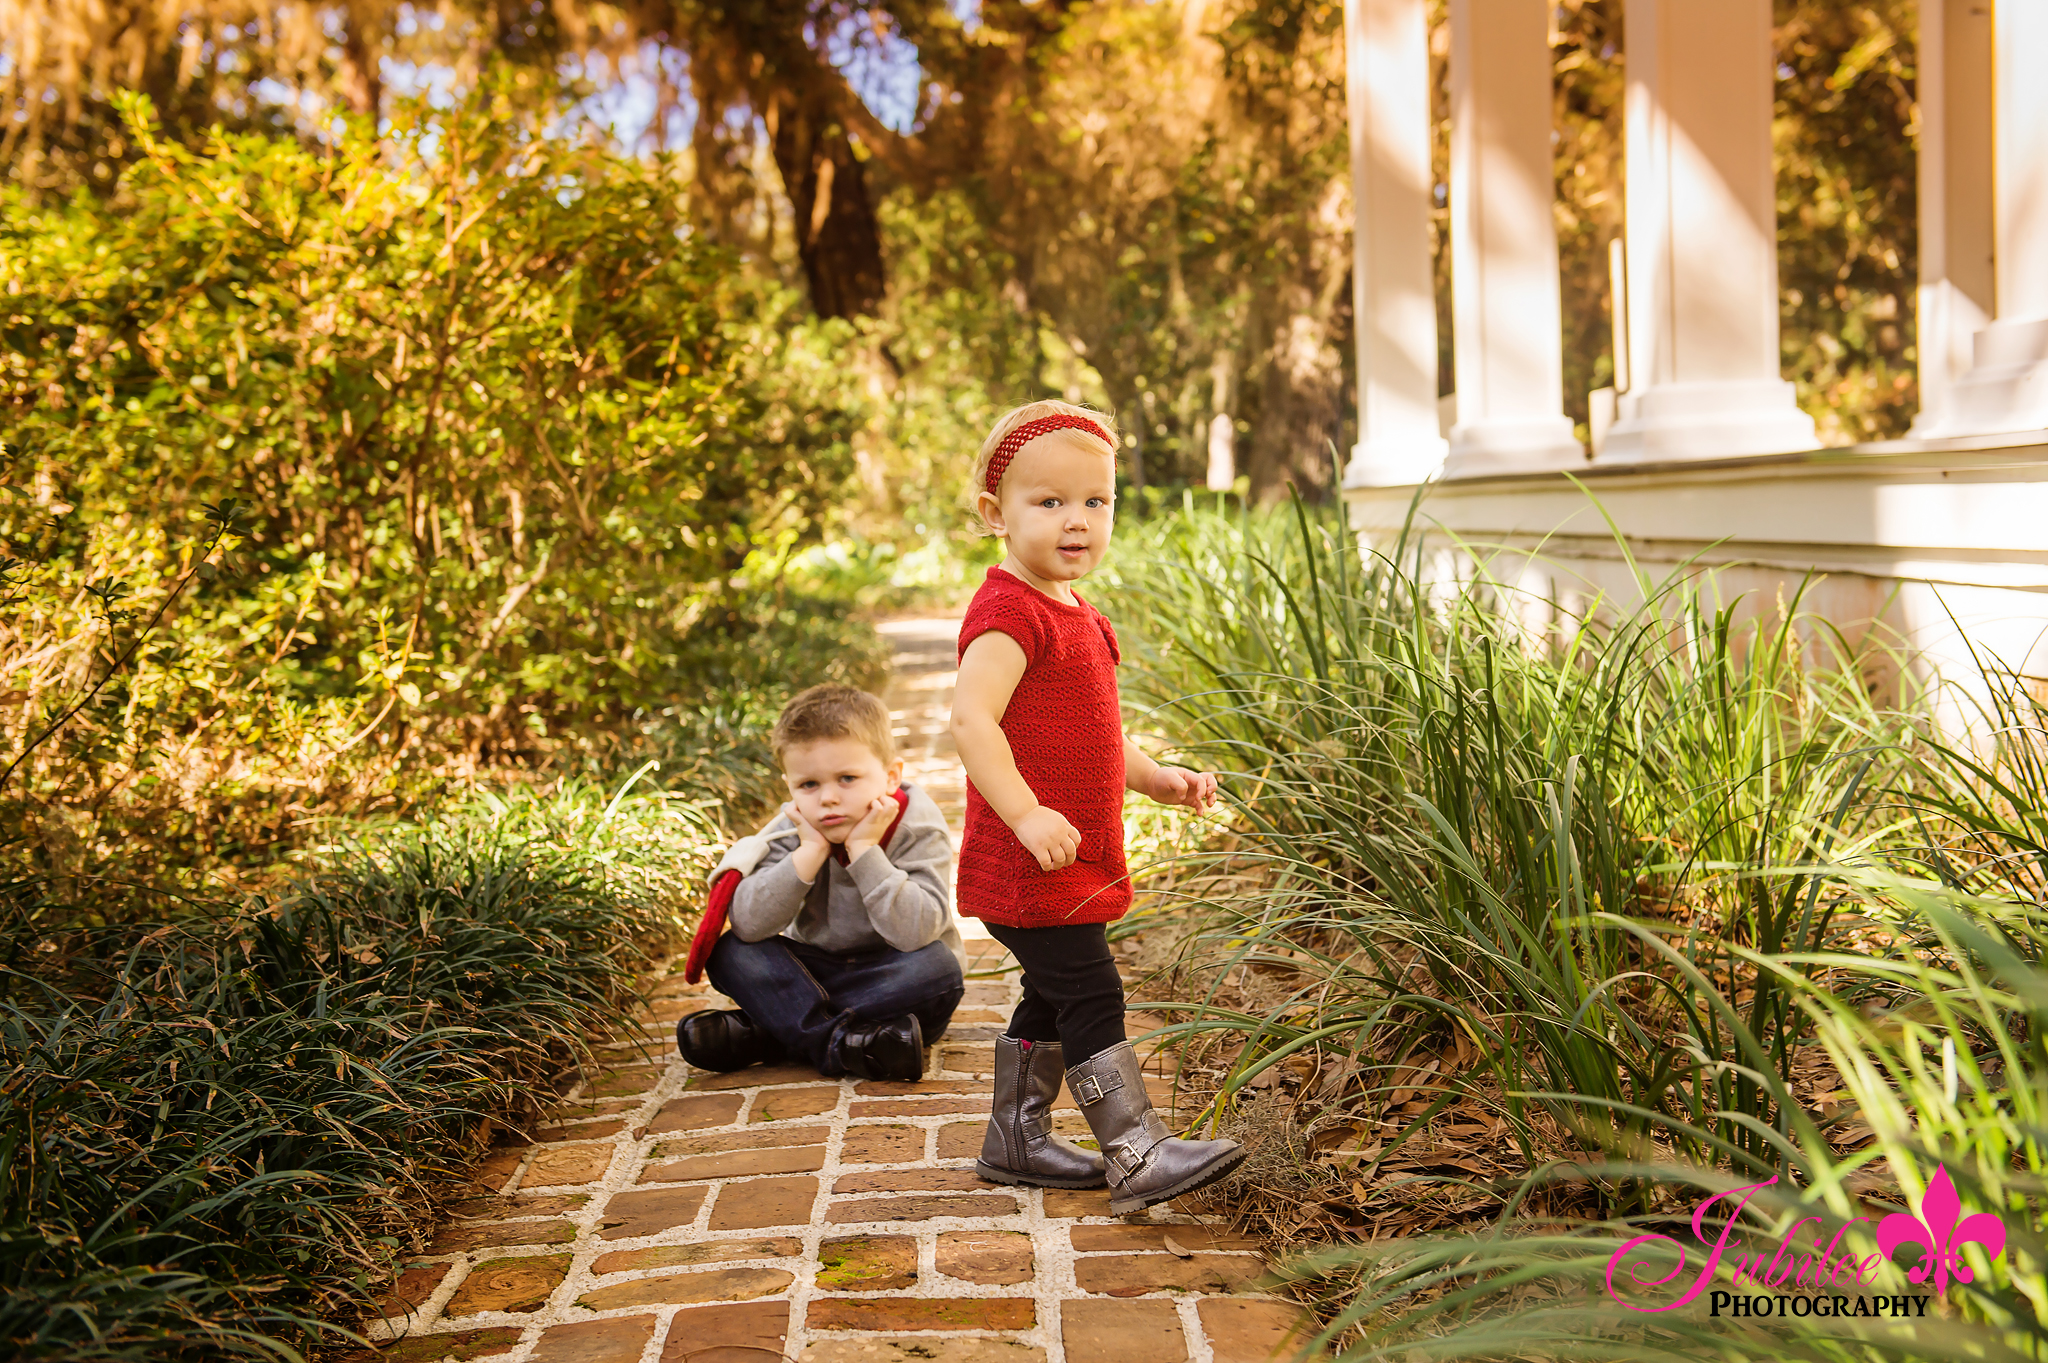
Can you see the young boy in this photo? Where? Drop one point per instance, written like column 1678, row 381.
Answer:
column 841, row 953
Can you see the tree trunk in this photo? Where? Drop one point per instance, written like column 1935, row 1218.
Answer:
column 837, row 237
column 1301, row 397
column 361, row 78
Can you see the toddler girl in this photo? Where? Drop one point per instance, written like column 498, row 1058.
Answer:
column 1042, row 864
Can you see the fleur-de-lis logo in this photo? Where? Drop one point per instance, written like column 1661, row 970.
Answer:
column 1937, row 1228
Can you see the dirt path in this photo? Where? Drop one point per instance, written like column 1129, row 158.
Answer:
column 667, row 1216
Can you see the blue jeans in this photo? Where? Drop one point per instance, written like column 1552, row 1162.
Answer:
column 807, row 998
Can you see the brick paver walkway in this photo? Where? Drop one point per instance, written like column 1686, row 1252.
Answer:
column 772, row 1214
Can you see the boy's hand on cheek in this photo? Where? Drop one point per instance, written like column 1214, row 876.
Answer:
column 812, row 846
column 873, row 824
column 1195, row 790
column 1048, row 836
column 808, row 834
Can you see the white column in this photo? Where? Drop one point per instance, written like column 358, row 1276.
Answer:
column 1507, row 330
column 1702, row 239
column 1956, row 281
column 2006, row 386
column 1393, row 293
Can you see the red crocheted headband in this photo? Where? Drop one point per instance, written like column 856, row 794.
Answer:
column 1030, row 431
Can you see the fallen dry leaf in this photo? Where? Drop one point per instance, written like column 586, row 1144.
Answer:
column 1175, row 1248
column 1361, row 1153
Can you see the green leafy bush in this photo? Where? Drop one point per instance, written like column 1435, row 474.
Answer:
column 512, row 443
column 217, row 1133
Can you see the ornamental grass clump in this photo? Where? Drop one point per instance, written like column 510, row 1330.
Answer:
column 218, row 1133
column 1542, row 920
column 1451, row 810
column 1949, row 1084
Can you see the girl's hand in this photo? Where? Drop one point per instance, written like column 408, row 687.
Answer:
column 1047, row 835
column 873, row 824
column 1179, row 786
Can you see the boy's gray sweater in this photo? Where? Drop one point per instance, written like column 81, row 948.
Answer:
column 901, row 898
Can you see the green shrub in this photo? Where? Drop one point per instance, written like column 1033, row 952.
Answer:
column 510, row 442
column 220, row 1132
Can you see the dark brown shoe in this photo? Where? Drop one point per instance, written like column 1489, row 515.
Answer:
column 884, row 1050
column 724, row 1042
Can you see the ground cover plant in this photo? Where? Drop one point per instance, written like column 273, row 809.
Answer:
column 220, row 1132
column 1532, row 933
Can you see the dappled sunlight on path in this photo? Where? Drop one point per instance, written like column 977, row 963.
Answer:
column 920, row 696
column 924, row 666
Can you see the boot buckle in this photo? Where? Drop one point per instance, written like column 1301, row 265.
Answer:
column 1124, row 1160
column 1091, row 1090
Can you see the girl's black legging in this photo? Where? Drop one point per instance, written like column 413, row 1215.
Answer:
column 1071, row 991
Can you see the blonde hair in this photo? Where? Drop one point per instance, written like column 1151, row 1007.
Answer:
column 833, row 711
column 1032, row 411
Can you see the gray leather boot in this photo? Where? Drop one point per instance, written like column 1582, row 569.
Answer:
column 1147, row 1164
column 1020, row 1146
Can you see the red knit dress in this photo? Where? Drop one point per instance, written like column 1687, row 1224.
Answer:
column 1067, row 732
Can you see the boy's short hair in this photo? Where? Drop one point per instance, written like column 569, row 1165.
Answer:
column 833, row 711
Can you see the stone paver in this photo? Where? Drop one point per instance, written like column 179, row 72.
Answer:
column 1186, row 1239
column 924, row 1349
column 697, row 1112
column 891, row 1144
column 703, row 1252
column 989, row 1257
column 923, row 1313
column 726, row 1334
column 724, row 1284
column 753, row 1203
column 787, row 1160
column 963, row 1180
column 413, row 1289
column 512, row 1208
column 787, row 1103
column 621, row 1339
column 663, row 1216
column 457, row 1345
column 463, row 1235
column 498, row 1169
column 867, row 1263
column 1244, row 1330
column 513, row 1286
column 630, row 1216
column 555, row 1165
column 1138, row 1275
column 1127, row 1331
column 873, row 1210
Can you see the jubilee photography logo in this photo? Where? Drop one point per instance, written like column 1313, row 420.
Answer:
column 1802, row 1277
